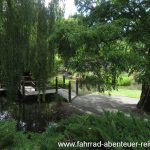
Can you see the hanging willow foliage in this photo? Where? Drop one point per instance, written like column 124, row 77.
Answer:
column 1, row 37
column 41, row 57
column 24, row 45
column 54, row 13
column 12, row 52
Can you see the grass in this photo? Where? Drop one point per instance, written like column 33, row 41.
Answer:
column 113, row 127
column 122, row 91
column 127, row 87
column 125, row 91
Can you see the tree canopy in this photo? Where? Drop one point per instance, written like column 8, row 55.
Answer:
column 112, row 36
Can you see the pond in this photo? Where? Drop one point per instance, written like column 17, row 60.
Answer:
column 33, row 116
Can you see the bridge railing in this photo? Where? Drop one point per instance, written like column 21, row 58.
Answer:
column 70, row 85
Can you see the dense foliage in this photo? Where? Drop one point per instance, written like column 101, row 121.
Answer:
column 113, row 127
column 25, row 27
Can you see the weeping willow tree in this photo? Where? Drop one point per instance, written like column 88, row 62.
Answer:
column 55, row 13
column 13, row 42
column 1, row 37
column 24, row 42
column 41, row 56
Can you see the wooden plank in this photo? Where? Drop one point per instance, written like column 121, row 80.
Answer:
column 37, row 92
column 2, row 89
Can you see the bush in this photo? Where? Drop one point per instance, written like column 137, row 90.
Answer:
column 7, row 133
column 124, row 80
column 113, row 127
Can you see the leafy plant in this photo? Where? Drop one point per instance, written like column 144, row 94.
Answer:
column 124, row 80
column 7, row 133
column 113, row 127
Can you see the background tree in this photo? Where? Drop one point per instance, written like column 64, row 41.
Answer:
column 93, row 50
column 55, row 13
column 66, row 38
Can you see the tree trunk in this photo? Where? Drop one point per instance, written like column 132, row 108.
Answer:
column 144, row 102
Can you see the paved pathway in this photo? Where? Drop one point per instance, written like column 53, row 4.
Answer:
column 96, row 104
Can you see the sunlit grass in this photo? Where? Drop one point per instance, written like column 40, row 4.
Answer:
column 125, row 92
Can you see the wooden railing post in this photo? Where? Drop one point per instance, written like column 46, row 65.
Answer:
column 56, row 84
column 69, row 91
column 19, row 87
column 77, row 86
column 64, row 80
column 23, row 89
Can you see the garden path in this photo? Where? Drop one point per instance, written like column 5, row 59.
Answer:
column 95, row 103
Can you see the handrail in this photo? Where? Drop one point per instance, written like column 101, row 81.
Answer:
column 56, row 85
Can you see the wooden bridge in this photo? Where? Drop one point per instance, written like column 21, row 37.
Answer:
column 31, row 93
column 28, row 90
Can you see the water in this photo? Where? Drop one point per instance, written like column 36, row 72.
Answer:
column 30, row 116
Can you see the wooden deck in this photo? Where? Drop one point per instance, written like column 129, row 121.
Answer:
column 2, row 89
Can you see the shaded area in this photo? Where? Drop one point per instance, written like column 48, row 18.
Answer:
column 34, row 116
column 98, row 103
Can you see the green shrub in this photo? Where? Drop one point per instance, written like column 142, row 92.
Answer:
column 124, row 80
column 7, row 133
column 113, row 127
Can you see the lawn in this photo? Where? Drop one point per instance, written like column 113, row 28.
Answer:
column 125, row 92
